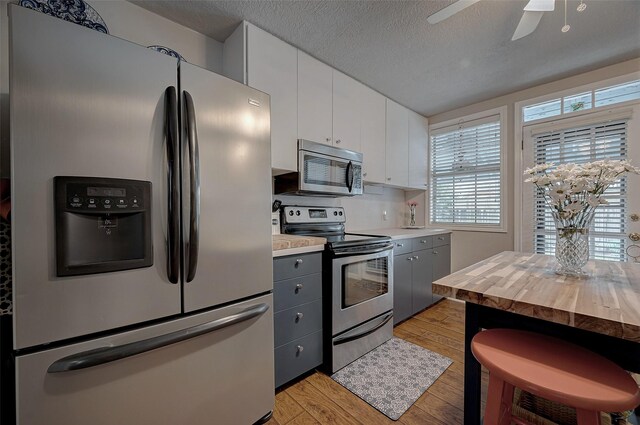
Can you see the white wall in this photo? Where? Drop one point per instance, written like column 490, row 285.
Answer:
column 470, row 247
column 124, row 20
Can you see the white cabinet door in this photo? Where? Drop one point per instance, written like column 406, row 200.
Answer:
column 346, row 113
column 397, row 144
column 315, row 82
column 418, row 139
column 272, row 68
column 372, row 134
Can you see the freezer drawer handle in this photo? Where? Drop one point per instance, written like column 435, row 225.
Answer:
column 173, row 243
column 104, row 355
column 351, row 336
column 194, row 178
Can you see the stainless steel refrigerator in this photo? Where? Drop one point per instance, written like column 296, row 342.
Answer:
column 116, row 323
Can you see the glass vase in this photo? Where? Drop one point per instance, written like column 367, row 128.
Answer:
column 572, row 244
column 412, row 215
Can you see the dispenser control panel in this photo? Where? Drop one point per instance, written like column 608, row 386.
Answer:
column 91, row 196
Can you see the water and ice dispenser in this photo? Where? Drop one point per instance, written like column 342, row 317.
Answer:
column 102, row 225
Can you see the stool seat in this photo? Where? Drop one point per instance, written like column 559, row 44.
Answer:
column 556, row 370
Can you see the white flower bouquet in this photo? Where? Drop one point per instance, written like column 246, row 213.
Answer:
column 573, row 192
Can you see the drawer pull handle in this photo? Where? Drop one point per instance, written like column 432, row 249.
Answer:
column 440, row 238
column 399, row 245
column 299, row 316
column 299, row 349
column 423, row 241
column 410, row 258
column 415, row 258
column 299, row 286
column 435, row 252
column 298, row 262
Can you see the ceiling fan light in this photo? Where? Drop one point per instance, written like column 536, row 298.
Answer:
column 581, row 7
column 566, row 28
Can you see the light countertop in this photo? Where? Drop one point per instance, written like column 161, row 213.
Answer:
column 399, row 233
column 292, row 245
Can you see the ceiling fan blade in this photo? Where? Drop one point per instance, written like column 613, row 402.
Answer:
column 450, row 10
column 540, row 6
column 527, row 25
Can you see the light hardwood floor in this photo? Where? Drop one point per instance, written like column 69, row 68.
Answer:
column 317, row 399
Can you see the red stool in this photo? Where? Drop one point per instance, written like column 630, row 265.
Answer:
column 552, row 369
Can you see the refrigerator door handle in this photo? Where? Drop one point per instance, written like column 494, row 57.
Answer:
column 102, row 355
column 194, row 174
column 173, row 180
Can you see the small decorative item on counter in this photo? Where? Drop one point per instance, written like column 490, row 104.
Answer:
column 573, row 192
column 412, row 213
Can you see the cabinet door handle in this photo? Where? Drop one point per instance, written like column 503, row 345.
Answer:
column 435, row 252
column 299, row 316
column 299, row 286
column 338, row 141
column 364, row 174
column 440, row 238
column 423, row 241
column 328, row 139
column 416, row 257
column 389, row 178
column 298, row 262
column 299, row 349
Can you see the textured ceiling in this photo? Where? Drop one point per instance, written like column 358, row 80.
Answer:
column 388, row 45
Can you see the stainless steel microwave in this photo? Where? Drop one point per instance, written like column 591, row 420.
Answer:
column 323, row 171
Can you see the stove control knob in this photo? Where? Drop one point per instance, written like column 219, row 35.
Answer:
column 340, row 213
column 298, row 212
column 291, row 212
column 335, row 213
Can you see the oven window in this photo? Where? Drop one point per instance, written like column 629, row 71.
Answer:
column 364, row 280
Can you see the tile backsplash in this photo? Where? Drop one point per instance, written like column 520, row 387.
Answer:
column 366, row 211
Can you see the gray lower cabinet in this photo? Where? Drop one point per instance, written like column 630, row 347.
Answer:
column 297, row 300
column 417, row 263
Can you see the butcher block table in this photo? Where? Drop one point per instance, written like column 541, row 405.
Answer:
column 521, row 291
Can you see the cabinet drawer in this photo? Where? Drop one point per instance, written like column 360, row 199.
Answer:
column 297, row 322
column 424, row 242
column 402, row 246
column 299, row 290
column 298, row 357
column 440, row 240
column 296, row 265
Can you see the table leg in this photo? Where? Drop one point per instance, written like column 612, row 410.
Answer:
column 472, row 369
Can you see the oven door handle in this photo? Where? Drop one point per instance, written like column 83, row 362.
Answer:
column 358, row 333
column 339, row 253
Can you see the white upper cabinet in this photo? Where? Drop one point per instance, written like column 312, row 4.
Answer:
column 397, row 145
column 372, row 134
column 346, row 112
column 272, row 68
column 418, row 139
column 315, row 89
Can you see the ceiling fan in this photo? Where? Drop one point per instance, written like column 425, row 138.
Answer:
column 533, row 12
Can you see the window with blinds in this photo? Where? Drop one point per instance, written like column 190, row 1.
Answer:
column 578, row 145
column 466, row 174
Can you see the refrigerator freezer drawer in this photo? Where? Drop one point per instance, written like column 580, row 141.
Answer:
column 224, row 376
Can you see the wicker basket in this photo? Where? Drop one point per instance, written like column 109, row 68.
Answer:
column 539, row 411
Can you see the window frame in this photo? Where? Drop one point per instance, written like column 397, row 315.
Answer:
column 520, row 126
column 504, row 195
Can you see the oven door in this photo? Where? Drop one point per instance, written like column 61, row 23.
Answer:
column 329, row 174
column 362, row 285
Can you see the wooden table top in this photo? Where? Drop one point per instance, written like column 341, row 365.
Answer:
column 607, row 301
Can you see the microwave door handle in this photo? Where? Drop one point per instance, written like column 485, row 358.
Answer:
column 173, row 182
column 350, row 176
column 194, row 192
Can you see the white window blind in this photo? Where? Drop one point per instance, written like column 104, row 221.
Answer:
column 466, row 174
column 581, row 144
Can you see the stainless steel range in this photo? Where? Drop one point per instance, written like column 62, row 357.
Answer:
column 357, row 281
